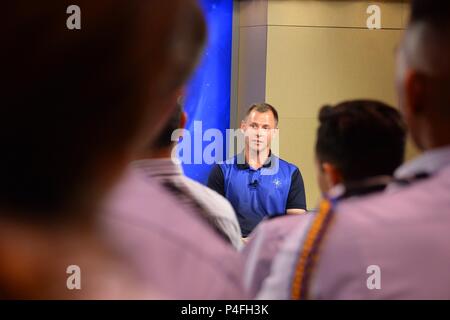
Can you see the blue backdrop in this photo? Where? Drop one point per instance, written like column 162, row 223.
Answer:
column 208, row 95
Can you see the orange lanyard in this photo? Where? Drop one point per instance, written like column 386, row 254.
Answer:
column 309, row 253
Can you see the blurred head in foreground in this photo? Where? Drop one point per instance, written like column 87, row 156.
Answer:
column 423, row 74
column 76, row 106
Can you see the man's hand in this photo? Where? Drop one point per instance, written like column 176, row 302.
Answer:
column 295, row 211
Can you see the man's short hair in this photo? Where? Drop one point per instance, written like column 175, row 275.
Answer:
column 262, row 108
column 362, row 138
column 73, row 98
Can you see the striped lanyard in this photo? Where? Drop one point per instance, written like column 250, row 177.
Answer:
column 309, row 253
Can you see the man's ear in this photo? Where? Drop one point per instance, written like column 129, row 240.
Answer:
column 415, row 92
column 276, row 131
column 332, row 174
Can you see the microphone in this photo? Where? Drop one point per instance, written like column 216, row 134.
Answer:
column 254, row 184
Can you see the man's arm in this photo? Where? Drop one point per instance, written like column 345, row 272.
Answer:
column 296, row 203
column 216, row 180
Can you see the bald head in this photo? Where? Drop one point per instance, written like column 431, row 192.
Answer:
column 423, row 73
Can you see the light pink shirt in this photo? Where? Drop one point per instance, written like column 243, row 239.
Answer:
column 264, row 244
column 172, row 249
column 219, row 210
column 404, row 232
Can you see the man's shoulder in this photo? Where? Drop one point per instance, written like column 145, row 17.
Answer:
column 138, row 198
column 285, row 251
column 374, row 229
column 403, row 201
column 230, row 162
column 274, row 232
column 282, row 225
column 221, row 167
column 287, row 164
column 423, row 203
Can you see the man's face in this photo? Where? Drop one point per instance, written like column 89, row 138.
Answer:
column 258, row 129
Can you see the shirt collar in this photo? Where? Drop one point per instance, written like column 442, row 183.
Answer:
column 428, row 163
column 158, row 167
column 336, row 192
column 242, row 164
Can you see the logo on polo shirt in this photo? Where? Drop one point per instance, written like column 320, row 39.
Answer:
column 277, row 183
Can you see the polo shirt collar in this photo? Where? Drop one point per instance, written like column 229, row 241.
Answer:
column 242, row 164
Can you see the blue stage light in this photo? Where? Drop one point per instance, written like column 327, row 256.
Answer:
column 208, row 96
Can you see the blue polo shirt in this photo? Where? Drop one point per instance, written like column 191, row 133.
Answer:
column 258, row 193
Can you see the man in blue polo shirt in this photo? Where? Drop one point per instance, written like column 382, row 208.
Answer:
column 256, row 182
